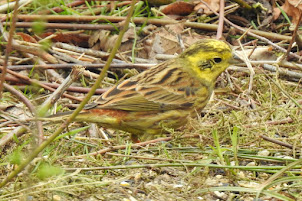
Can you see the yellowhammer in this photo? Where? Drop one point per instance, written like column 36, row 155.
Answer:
column 164, row 95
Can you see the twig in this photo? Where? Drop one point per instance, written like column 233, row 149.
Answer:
column 288, row 73
column 13, row 119
column 74, row 74
column 8, row 137
column 293, row 39
column 282, row 121
column 22, row 84
column 9, row 44
column 276, row 141
column 64, row 57
column 220, row 24
column 73, row 89
column 20, row 96
column 90, row 51
column 28, row 80
column 35, row 51
column 69, row 26
column 68, row 66
column 247, row 62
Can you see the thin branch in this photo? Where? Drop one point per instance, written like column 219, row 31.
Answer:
column 9, row 45
column 293, row 38
column 32, row 81
column 74, row 74
column 8, row 137
column 21, row 97
column 283, row 72
column 248, row 63
column 31, row 108
column 142, row 66
column 276, row 141
column 220, row 24
column 69, row 26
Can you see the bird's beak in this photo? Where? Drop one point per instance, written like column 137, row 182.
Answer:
column 235, row 60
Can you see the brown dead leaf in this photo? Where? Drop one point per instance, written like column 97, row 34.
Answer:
column 96, row 37
column 214, row 5
column 78, row 39
column 102, row 40
column 178, row 8
column 165, row 42
column 129, row 34
column 175, row 28
column 148, row 29
column 108, row 43
column 292, row 8
column 26, row 37
column 296, row 3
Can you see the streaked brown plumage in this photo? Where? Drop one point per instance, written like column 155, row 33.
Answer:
column 164, row 95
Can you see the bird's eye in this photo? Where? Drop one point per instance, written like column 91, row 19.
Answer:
column 217, row 60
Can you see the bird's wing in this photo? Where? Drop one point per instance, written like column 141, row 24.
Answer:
column 164, row 87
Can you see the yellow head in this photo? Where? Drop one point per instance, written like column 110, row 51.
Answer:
column 207, row 59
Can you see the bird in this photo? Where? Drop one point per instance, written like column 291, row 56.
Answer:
column 163, row 96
